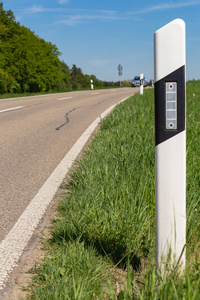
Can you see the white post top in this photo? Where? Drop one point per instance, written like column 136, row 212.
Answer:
column 141, row 76
column 169, row 49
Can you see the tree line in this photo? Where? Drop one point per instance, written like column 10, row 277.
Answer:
column 30, row 64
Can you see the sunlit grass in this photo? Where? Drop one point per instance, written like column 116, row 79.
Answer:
column 106, row 221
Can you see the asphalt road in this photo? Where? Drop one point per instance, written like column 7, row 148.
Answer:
column 36, row 133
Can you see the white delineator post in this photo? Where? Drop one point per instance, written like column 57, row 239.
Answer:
column 170, row 140
column 141, row 83
column 92, row 84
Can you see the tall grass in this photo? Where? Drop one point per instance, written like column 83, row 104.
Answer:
column 72, row 271
column 110, row 200
column 103, row 242
column 193, row 166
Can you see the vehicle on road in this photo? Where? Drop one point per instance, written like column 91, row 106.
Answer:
column 136, row 81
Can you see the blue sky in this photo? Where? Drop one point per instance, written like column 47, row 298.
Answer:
column 97, row 36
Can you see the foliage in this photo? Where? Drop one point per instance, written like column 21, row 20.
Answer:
column 27, row 62
column 73, row 271
column 30, row 64
column 193, row 165
column 79, row 81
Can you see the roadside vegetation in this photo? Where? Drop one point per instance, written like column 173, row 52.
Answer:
column 102, row 243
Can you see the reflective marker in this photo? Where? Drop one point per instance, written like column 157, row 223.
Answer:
column 171, row 105
column 92, row 87
column 170, row 140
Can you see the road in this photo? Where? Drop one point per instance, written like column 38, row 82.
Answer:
column 36, row 133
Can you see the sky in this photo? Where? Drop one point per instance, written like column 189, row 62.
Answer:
column 97, row 36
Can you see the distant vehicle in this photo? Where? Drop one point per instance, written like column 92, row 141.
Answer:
column 136, row 81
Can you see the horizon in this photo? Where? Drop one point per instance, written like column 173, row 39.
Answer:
column 97, row 37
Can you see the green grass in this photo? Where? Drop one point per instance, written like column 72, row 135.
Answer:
column 103, row 242
column 193, row 165
column 73, row 271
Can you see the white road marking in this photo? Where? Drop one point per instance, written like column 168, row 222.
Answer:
column 13, row 245
column 26, row 97
column 12, row 108
column 64, row 98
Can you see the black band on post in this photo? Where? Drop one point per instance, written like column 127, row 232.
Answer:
column 161, row 133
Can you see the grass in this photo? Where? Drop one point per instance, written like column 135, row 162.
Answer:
column 103, row 242
column 73, row 272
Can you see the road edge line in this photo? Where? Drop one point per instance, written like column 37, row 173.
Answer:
column 13, row 245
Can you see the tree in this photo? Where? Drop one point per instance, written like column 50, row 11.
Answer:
column 31, row 62
column 77, row 78
column 65, row 84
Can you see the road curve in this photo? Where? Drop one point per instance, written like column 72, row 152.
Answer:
column 36, row 133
